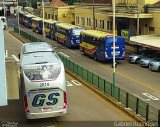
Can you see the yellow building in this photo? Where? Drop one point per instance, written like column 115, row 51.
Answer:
column 62, row 13
column 130, row 16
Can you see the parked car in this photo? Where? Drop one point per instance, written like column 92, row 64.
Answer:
column 155, row 65
column 135, row 58
column 144, row 62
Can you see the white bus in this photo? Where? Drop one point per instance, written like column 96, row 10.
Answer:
column 43, row 81
column 4, row 20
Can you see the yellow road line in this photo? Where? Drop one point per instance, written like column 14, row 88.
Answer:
column 144, row 84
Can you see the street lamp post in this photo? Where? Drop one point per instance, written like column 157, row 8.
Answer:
column 114, row 62
column 18, row 17
column 4, row 8
column 93, row 16
column 43, row 31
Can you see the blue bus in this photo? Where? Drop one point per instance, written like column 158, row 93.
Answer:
column 68, row 34
column 21, row 17
column 49, row 28
column 37, row 25
column 99, row 45
column 28, row 20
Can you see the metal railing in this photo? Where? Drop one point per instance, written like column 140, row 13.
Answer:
column 148, row 112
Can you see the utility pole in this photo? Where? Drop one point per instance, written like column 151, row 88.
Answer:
column 114, row 62
column 93, row 16
column 43, row 31
column 137, row 17
column 4, row 8
column 18, row 17
column 138, row 48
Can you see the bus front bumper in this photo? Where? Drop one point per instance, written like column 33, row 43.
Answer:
column 46, row 114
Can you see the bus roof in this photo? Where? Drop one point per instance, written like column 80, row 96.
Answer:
column 30, row 15
column 40, row 58
column 37, row 19
column 96, row 33
column 50, row 21
column 40, row 46
column 67, row 26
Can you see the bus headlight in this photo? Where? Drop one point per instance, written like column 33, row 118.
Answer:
column 72, row 42
column 123, row 55
column 106, row 55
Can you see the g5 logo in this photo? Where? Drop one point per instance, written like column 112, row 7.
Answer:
column 39, row 99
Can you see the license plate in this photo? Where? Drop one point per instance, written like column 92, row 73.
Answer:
column 47, row 109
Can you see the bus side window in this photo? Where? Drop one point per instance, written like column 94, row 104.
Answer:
column 81, row 38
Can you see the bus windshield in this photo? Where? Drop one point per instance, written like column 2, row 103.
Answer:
column 77, row 31
column 118, row 41
column 44, row 72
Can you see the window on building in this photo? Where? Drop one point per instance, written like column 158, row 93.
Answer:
column 49, row 16
column 56, row 17
column 151, row 29
column 88, row 22
column 82, row 20
column 77, row 19
column 109, row 25
column 45, row 16
column 96, row 23
column 102, row 24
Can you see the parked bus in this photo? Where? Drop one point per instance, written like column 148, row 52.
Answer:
column 49, row 27
column 68, row 34
column 43, row 81
column 21, row 17
column 37, row 25
column 99, row 45
column 28, row 20
column 4, row 21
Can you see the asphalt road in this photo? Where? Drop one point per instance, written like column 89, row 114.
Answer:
column 85, row 107
column 130, row 77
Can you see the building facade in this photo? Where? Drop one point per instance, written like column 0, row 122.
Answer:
column 131, row 16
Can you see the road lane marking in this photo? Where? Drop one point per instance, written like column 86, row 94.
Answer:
column 64, row 54
column 76, row 82
column 68, row 83
column 73, row 83
column 150, row 96
column 15, row 57
column 73, row 52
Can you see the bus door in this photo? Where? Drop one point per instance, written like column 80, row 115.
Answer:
column 47, row 29
column 29, row 25
column 51, row 32
column 34, row 25
column 100, row 49
column 40, row 25
column 42, row 93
